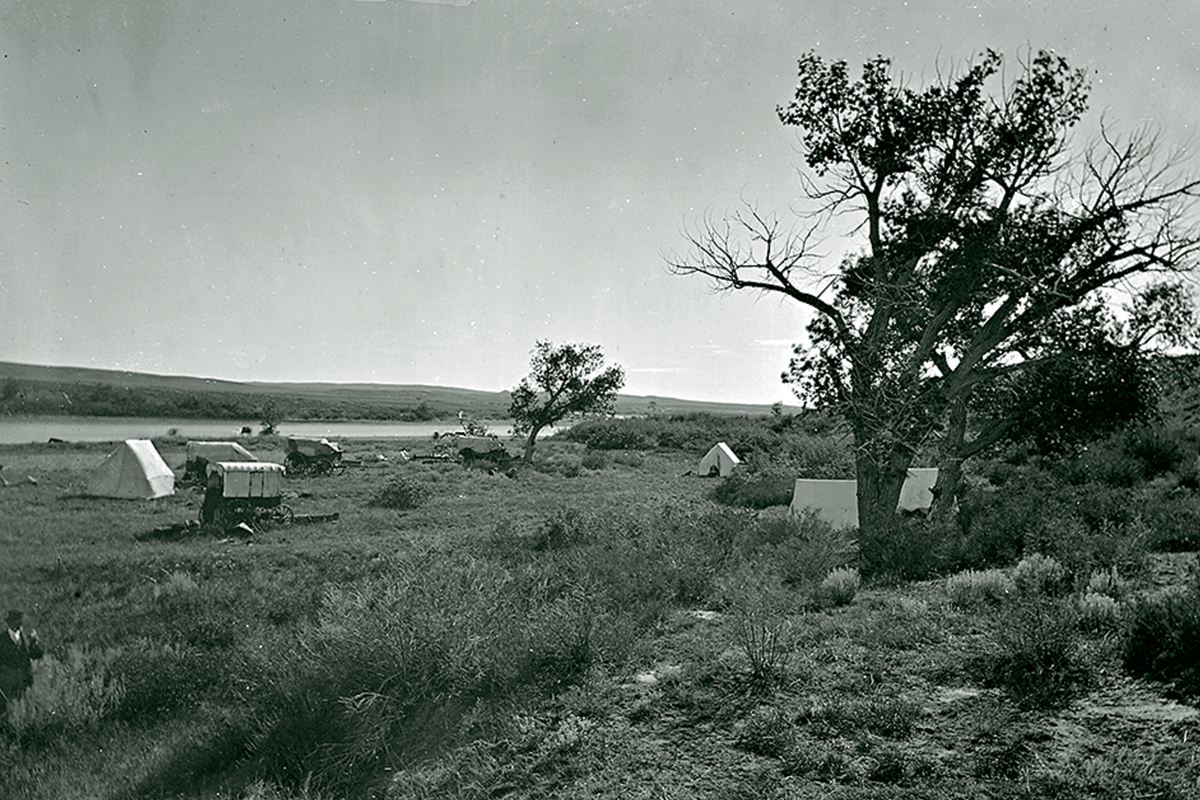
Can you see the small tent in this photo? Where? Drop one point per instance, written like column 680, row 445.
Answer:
column 837, row 501
column 134, row 470
column 719, row 459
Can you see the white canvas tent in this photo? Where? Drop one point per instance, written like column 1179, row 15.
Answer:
column 837, row 501
column 134, row 470
column 720, row 458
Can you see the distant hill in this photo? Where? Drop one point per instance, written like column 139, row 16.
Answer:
column 27, row 389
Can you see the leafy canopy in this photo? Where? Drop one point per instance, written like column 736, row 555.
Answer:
column 563, row 380
column 977, row 229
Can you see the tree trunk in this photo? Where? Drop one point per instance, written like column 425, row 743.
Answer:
column 949, row 480
column 879, row 487
column 530, row 441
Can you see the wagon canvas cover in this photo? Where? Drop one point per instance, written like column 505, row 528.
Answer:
column 249, row 478
column 219, row 451
column 312, row 447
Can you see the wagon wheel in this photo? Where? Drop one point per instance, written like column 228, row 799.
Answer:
column 293, row 464
column 337, row 468
column 283, row 515
column 229, row 516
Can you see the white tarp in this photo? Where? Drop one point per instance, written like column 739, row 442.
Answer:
column 720, row 458
column 134, row 470
column 837, row 501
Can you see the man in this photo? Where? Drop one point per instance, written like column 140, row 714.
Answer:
column 212, row 497
column 17, row 650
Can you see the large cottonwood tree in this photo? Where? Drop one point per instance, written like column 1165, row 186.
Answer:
column 977, row 226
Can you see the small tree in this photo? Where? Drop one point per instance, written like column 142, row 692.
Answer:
column 270, row 418
column 563, row 380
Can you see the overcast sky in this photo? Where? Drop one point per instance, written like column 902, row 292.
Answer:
column 412, row 192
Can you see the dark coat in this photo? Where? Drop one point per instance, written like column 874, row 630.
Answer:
column 16, row 673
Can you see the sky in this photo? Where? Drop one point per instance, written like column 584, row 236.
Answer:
column 393, row 191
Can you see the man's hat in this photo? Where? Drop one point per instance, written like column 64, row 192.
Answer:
column 14, row 615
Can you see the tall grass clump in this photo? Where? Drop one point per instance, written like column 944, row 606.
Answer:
column 394, row 662
column 70, row 696
column 765, row 640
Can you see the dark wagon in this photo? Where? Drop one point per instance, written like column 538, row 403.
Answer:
column 307, row 456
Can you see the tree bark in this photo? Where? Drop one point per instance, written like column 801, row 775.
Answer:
column 530, row 441
column 879, row 487
column 949, row 479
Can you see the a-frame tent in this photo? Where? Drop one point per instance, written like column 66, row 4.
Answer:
column 133, row 471
column 720, row 459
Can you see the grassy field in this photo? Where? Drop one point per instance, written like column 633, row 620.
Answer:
column 596, row 626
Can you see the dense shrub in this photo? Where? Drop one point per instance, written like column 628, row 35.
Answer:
column 914, row 548
column 401, row 494
column 1163, row 639
column 1037, row 575
column 1034, row 656
column 978, row 588
column 801, row 549
column 614, row 434
column 1084, row 527
column 1173, row 522
column 1099, row 612
column 816, row 457
column 838, row 588
column 744, row 489
column 1156, row 450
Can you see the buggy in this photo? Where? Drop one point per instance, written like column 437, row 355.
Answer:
column 244, row 491
column 313, row 457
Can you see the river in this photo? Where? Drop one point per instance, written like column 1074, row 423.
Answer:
column 23, row 430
